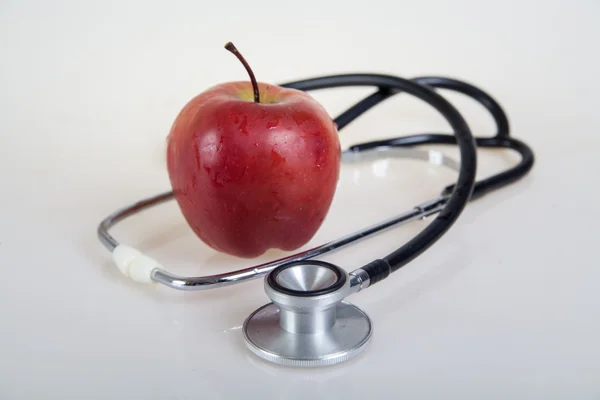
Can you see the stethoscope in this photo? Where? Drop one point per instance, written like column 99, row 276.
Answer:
column 308, row 323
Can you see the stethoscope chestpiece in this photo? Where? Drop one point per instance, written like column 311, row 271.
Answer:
column 307, row 324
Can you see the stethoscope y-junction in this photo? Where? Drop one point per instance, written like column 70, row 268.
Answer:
column 307, row 322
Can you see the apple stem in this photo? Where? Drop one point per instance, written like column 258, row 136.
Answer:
column 229, row 46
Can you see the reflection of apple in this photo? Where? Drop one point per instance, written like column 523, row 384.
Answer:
column 253, row 166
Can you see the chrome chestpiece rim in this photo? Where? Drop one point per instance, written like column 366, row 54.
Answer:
column 307, row 324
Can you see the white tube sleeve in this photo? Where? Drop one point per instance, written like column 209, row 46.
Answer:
column 134, row 264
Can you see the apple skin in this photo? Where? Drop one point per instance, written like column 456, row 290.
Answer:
column 251, row 176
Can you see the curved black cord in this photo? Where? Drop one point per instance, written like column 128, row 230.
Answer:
column 461, row 191
column 390, row 86
column 500, row 140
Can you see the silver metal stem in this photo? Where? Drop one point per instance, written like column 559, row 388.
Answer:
column 313, row 321
column 242, row 275
column 359, row 280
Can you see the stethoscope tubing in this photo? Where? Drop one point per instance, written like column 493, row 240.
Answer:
column 448, row 206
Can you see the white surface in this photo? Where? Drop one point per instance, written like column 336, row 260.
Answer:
column 505, row 306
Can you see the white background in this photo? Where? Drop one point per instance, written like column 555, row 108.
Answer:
column 506, row 305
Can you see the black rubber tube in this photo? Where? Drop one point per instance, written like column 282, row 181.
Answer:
column 461, row 192
column 500, row 140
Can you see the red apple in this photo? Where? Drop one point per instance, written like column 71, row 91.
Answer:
column 253, row 166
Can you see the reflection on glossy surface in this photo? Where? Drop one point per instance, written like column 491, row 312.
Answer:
column 233, row 329
column 380, row 168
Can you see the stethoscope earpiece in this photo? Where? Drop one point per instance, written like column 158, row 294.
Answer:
column 308, row 324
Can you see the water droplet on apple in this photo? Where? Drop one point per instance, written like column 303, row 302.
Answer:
column 244, row 126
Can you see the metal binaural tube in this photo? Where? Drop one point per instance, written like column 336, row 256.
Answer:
column 358, row 279
column 231, row 278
